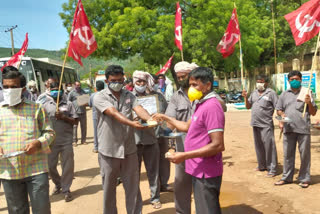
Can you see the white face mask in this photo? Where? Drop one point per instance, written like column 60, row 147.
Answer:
column 140, row 89
column 69, row 88
column 12, row 96
column 260, row 86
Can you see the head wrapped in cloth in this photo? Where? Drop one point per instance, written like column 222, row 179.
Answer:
column 140, row 75
column 185, row 67
column 31, row 83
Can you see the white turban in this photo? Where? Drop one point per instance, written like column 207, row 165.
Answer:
column 31, row 83
column 185, row 67
column 140, row 75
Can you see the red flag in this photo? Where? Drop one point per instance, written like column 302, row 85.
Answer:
column 305, row 21
column 15, row 60
column 178, row 29
column 230, row 37
column 82, row 41
column 166, row 66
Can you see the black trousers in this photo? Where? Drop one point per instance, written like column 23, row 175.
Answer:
column 206, row 194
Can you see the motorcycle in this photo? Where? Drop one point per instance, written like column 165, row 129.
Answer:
column 234, row 97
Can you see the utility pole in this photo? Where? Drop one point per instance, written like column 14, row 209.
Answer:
column 12, row 41
column 90, row 79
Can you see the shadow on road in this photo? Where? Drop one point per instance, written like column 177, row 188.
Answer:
column 88, row 172
column 164, row 211
column 143, row 176
column 88, row 190
column 315, row 179
column 3, row 209
column 240, row 208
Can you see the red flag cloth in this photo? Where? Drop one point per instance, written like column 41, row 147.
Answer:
column 230, row 37
column 15, row 60
column 82, row 41
column 305, row 21
column 178, row 28
column 165, row 68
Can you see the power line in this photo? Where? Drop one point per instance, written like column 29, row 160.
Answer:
column 6, row 39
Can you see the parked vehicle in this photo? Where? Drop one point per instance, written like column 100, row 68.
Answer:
column 223, row 94
column 234, row 97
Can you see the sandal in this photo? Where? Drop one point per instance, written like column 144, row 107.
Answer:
column 281, row 182
column 156, row 205
column 270, row 175
column 259, row 170
column 304, row 184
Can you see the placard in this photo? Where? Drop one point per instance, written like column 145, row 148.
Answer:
column 83, row 99
column 149, row 103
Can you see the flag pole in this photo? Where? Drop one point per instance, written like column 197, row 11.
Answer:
column 181, row 51
column 314, row 61
column 241, row 55
column 61, row 76
column 274, row 39
column 19, row 63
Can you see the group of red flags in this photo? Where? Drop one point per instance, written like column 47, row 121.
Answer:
column 304, row 23
column 82, row 41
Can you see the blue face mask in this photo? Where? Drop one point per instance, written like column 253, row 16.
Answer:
column 295, row 84
column 54, row 94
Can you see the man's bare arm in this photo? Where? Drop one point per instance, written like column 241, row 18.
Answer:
column 179, row 125
column 113, row 112
column 142, row 113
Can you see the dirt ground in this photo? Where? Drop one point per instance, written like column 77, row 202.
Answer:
column 244, row 191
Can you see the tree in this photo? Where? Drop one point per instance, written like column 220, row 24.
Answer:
column 146, row 27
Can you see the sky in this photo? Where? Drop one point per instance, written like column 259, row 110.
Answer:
column 40, row 18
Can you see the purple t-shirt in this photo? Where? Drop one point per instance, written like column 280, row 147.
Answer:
column 207, row 118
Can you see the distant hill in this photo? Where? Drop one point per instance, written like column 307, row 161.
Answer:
column 58, row 55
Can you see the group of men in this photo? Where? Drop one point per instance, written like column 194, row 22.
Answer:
column 294, row 123
column 124, row 141
column 36, row 133
column 43, row 132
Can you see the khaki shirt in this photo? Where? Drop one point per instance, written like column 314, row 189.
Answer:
column 64, row 130
column 293, row 109
column 263, row 107
column 115, row 139
column 72, row 97
column 181, row 109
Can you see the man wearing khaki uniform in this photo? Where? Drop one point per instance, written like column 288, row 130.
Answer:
column 117, row 149
column 262, row 102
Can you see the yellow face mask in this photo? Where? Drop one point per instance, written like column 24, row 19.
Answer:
column 194, row 94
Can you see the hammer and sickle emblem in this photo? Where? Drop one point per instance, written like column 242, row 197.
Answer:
column 85, row 39
column 305, row 28
column 178, row 30
column 224, row 42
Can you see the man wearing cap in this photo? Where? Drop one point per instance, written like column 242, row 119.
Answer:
column 147, row 140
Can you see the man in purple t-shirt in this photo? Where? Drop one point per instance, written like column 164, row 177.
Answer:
column 204, row 142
